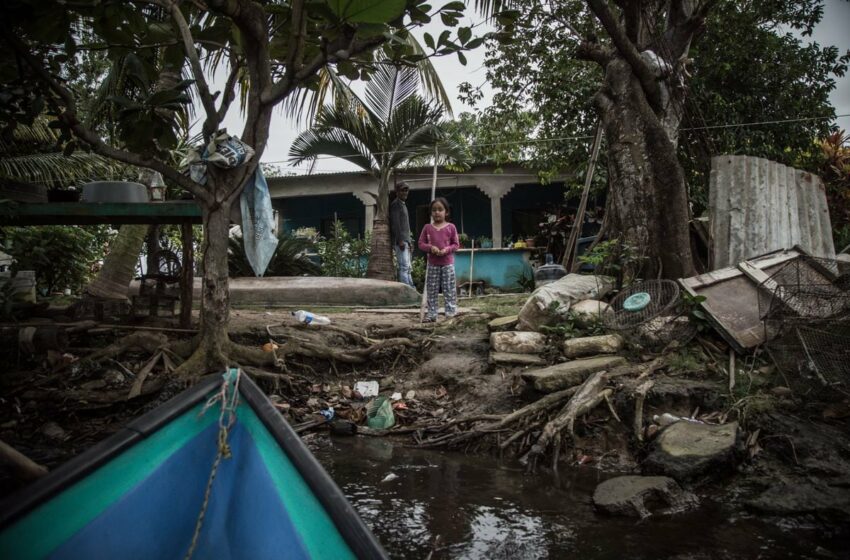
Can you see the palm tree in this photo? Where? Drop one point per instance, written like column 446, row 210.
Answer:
column 380, row 133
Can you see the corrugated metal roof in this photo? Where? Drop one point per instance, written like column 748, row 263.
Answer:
column 758, row 206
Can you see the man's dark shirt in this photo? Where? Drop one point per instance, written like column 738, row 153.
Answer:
column 399, row 222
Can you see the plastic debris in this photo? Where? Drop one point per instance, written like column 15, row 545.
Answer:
column 309, row 318
column 390, row 477
column 367, row 388
column 379, row 414
column 666, row 419
column 328, row 413
column 396, row 396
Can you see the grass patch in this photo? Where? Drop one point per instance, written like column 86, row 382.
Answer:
column 502, row 304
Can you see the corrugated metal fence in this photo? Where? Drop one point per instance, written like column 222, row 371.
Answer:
column 757, row 206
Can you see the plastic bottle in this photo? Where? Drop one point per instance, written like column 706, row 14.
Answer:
column 310, row 319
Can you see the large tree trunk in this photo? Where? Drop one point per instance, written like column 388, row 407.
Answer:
column 646, row 184
column 381, row 254
column 213, row 344
column 119, row 266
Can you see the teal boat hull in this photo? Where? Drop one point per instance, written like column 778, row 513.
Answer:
column 140, row 493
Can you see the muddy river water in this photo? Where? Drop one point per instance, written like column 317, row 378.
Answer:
column 452, row 505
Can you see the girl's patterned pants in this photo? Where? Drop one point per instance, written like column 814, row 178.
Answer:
column 437, row 277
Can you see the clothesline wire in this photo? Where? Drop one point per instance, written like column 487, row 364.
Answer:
column 590, row 137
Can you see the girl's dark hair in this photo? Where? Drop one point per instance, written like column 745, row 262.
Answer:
column 445, row 204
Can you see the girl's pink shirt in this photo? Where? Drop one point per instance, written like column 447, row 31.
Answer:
column 444, row 238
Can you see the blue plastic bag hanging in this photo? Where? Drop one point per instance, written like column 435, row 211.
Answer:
column 258, row 223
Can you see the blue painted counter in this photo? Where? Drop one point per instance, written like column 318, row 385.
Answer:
column 498, row 268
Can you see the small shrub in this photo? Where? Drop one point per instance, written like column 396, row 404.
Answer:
column 344, row 255
column 289, row 259
column 418, row 266
column 61, row 256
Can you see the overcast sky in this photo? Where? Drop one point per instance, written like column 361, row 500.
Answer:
column 832, row 30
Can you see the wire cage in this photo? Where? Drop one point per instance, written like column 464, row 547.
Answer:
column 805, row 308
column 651, row 315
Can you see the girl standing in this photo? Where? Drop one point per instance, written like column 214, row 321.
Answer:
column 439, row 240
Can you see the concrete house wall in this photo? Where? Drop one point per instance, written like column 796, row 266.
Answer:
column 483, row 202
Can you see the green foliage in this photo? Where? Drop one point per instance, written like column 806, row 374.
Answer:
column 573, row 326
column 692, row 307
column 418, row 268
column 524, row 278
column 9, row 296
column 61, row 256
column 342, row 254
column 289, row 259
column 620, row 260
column 778, row 76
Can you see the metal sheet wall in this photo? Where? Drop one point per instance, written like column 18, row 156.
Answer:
column 758, row 206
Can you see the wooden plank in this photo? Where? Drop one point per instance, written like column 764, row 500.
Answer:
column 85, row 213
column 732, row 297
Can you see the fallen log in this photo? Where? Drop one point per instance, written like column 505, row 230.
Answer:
column 547, row 402
column 590, row 393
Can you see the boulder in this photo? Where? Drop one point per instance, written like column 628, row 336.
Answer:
column 633, row 496
column 509, row 358
column 569, row 374
column 589, row 311
column 522, row 342
column 593, row 345
column 688, row 450
column 800, row 497
column 550, row 304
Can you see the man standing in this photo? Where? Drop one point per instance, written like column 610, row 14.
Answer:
column 400, row 232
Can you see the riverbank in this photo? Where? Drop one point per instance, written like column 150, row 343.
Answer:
column 790, row 466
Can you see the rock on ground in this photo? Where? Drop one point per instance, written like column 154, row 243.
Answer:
column 552, row 302
column 588, row 311
column 688, row 450
column 828, row 502
column 633, row 496
column 510, row 358
column 523, row 342
column 592, row 345
column 569, row 374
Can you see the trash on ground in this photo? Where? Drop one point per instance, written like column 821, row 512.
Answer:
column 390, row 477
column 651, row 314
column 309, row 318
column 367, row 388
column 379, row 414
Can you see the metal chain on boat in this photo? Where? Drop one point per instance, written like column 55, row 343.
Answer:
column 228, row 396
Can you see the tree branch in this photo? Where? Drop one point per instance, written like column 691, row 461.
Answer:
column 211, row 122
column 629, row 52
column 229, row 93
column 295, row 52
column 593, row 51
column 288, row 82
column 69, row 117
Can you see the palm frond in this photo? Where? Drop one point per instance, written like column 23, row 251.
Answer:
column 289, row 259
column 390, row 86
column 332, row 142
column 57, row 169
column 428, row 77
column 489, row 8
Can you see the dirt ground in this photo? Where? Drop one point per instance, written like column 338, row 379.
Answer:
column 793, row 461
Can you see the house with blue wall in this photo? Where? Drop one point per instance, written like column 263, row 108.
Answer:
column 502, row 204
